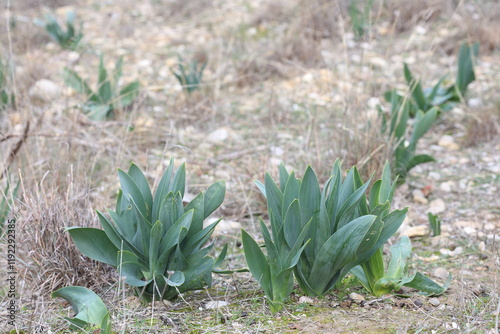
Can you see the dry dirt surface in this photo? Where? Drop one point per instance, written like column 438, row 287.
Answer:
column 284, row 81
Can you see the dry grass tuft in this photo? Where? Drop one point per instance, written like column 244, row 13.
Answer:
column 405, row 15
column 483, row 126
column 50, row 259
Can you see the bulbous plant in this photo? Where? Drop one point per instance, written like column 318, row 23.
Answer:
column 320, row 235
column 378, row 281
column 156, row 243
column 371, row 273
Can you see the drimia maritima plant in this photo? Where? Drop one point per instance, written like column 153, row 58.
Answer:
column 319, row 236
column 156, row 243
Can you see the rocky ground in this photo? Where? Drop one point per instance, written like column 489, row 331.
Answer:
column 285, row 81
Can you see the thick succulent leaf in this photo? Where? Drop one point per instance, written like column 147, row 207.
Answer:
column 162, row 190
column 274, row 256
column 284, row 175
column 198, row 275
column 338, row 251
column 416, row 89
column 294, row 255
column 128, row 228
column 309, row 196
column 141, row 238
column 176, row 279
column 373, row 271
column 179, row 181
column 387, row 187
column 117, row 71
column 89, row 308
column 142, row 183
column 261, row 187
column 221, row 257
column 428, row 286
column 178, row 260
column 422, row 124
column 110, row 230
column 94, row 243
column 197, row 205
column 198, row 240
column 171, row 209
column 352, row 201
column 347, row 187
column 400, row 254
column 154, row 244
column 375, row 194
column 282, row 286
column 360, row 275
column 131, row 192
column 466, row 58
column 132, row 273
column 292, row 223
column 419, row 159
column 391, row 224
column 257, row 263
column 213, row 197
column 127, row 95
column 174, row 235
column 274, row 203
column 104, row 86
column 290, row 193
column 72, row 79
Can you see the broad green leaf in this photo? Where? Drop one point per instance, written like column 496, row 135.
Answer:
column 261, row 187
column 466, row 58
column 198, row 240
column 154, row 244
column 117, row 71
column 162, row 190
column 284, row 176
column 173, row 234
column 132, row 270
column 179, row 181
column 142, row 183
column 171, row 209
column 197, row 205
column 94, row 243
column 88, row 307
column 72, row 79
column 422, row 124
column 103, row 84
column 177, row 279
column 400, row 253
column 130, row 188
column 309, row 196
column 97, row 111
column 419, row 159
column 198, row 275
column 274, row 203
column 221, row 257
column 292, row 224
column 213, row 197
column 110, row 230
column 416, row 89
column 127, row 94
column 428, row 286
column 290, row 193
column 257, row 263
column 338, row 251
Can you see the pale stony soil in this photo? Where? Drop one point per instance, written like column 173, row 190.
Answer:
column 285, row 81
